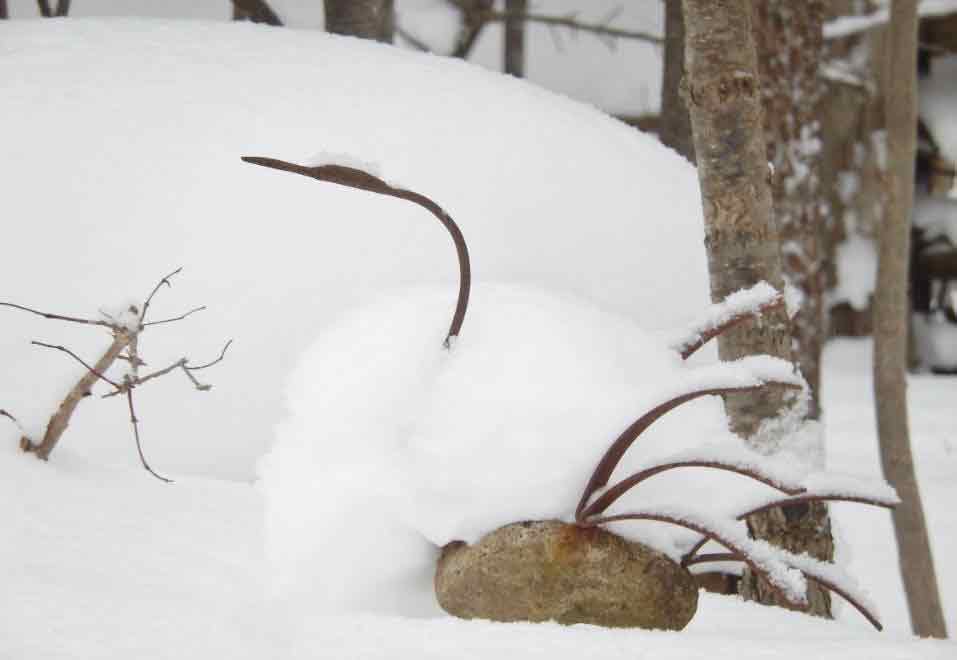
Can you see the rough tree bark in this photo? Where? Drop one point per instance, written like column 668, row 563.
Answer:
column 724, row 98
column 675, row 127
column 515, row 38
column 368, row 19
column 788, row 37
column 890, row 324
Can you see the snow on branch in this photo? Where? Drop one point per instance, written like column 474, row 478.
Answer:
column 353, row 177
column 126, row 329
column 719, row 317
column 845, row 26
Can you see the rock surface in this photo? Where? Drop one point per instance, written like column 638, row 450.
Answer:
column 550, row 570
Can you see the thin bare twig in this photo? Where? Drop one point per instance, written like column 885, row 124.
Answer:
column 57, row 317
column 136, row 434
column 177, row 318
column 222, row 354
column 361, row 180
column 617, row 450
column 78, row 359
column 149, row 298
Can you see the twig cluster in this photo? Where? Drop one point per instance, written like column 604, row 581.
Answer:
column 477, row 14
column 125, row 347
column 589, row 512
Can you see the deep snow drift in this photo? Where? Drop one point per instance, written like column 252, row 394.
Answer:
column 122, row 141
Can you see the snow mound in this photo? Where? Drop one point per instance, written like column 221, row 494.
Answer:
column 147, row 177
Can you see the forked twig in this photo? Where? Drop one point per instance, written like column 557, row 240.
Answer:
column 149, row 298
column 352, row 177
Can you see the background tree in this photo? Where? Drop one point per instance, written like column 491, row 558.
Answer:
column 368, row 19
column 257, row 11
column 675, row 125
column 891, row 311
column 515, row 37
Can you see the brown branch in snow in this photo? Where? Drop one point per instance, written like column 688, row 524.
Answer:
column 61, row 418
column 710, row 533
column 136, row 434
column 76, row 357
column 702, row 337
column 222, row 354
column 57, row 317
column 178, row 318
column 149, row 298
column 362, row 180
column 613, row 456
column 612, row 494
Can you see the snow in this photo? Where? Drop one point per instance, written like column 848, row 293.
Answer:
column 937, row 98
column 134, row 170
column 845, row 26
column 146, row 128
column 856, row 272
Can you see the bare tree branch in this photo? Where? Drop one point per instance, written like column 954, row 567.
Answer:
column 76, row 357
column 58, row 317
column 136, row 434
column 222, row 354
column 149, row 298
column 177, row 318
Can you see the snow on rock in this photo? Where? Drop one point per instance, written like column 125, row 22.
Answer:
column 121, row 155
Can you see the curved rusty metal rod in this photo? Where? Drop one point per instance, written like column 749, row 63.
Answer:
column 710, row 533
column 820, row 579
column 610, row 460
column 352, row 177
column 612, row 494
column 690, row 346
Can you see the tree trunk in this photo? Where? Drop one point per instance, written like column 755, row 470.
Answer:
column 789, row 43
column 890, row 324
column 515, row 38
column 257, row 11
column 4, row 13
column 742, row 237
column 675, row 128
column 63, row 8
column 368, row 19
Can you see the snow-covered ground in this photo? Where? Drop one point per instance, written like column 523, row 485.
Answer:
column 104, row 562
column 121, row 157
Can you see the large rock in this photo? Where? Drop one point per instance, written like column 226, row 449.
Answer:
column 550, row 570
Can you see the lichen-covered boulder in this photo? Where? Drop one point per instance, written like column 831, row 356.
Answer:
column 550, row 570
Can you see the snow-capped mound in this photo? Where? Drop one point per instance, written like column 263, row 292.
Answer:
column 121, row 152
